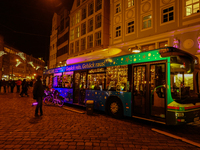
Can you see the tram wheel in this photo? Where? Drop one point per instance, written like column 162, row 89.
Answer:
column 114, row 108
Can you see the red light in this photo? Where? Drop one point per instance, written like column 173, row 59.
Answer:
column 179, row 120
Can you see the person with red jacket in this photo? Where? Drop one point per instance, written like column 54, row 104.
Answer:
column 18, row 83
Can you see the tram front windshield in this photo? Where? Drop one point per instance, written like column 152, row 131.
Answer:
column 183, row 87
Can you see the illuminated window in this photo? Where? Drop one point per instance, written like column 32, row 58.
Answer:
column 83, row 28
column 130, row 27
column 118, row 8
column 78, row 17
column 83, row 13
column 130, row 3
column 163, row 44
column 90, row 25
column 148, row 47
column 90, row 41
column 72, row 21
column 72, row 34
column 77, row 46
column 90, row 8
column 98, row 4
column 77, row 30
column 118, row 31
column 98, row 38
column 168, row 14
column 71, row 48
column 98, row 21
column 146, row 22
column 191, row 6
column 83, row 43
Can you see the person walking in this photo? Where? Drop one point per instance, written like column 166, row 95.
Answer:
column 24, row 88
column 19, row 82
column 12, row 85
column 4, row 83
column 38, row 92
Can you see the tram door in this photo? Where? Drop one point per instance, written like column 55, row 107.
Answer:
column 149, row 93
column 80, row 86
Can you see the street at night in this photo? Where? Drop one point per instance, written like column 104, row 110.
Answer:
column 71, row 128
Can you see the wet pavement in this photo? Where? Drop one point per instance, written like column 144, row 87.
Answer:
column 71, row 128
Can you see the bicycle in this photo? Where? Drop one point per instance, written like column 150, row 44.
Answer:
column 54, row 97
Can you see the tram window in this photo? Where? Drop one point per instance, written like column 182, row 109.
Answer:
column 116, row 78
column 96, row 81
column 67, row 79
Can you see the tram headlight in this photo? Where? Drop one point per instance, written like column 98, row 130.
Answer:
column 179, row 114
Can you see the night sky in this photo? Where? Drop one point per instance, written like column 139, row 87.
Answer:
column 26, row 25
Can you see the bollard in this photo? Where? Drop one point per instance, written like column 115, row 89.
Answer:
column 89, row 107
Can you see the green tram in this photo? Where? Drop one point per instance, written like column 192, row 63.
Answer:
column 160, row 85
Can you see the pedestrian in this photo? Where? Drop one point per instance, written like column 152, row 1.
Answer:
column 19, row 82
column 24, row 88
column 38, row 92
column 4, row 83
column 12, row 85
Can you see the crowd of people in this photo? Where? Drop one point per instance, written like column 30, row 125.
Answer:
column 9, row 86
column 36, row 87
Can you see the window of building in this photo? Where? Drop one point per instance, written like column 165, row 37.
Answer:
column 98, row 21
column 90, row 25
column 90, row 8
column 147, row 21
column 90, row 41
column 72, row 34
column 83, row 43
column 118, row 8
column 192, row 6
column 163, row 44
column 83, row 13
column 148, row 47
column 77, row 32
column 130, row 3
column 78, row 3
column 98, row 4
column 83, row 28
column 168, row 14
column 78, row 17
column 98, row 38
column 130, row 27
column 77, row 46
column 71, row 48
column 72, row 21
column 118, row 31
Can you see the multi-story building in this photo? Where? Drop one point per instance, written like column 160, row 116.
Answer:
column 89, row 30
column 53, row 42
column 150, row 24
column 15, row 64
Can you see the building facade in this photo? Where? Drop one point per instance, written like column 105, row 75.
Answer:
column 100, row 28
column 16, row 65
column 152, row 24
column 53, row 42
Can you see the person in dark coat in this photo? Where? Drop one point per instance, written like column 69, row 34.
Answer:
column 38, row 92
column 24, row 88
column 4, row 83
column 12, row 85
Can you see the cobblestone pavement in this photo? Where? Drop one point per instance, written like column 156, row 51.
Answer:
column 60, row 128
